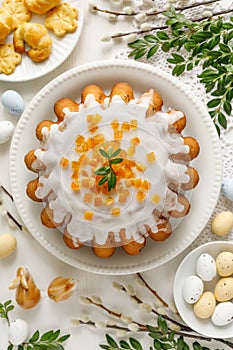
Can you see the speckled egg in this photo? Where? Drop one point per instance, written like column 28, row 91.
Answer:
column 205, row 306
column 223, row 314
column 206, row 267
column 7, row 245
column 6, row 130
column 192, row 289
column 222, row 224
column 18, row 331
column 13, row 102
column 224, row 289
column 224, row 264
column 227, row 187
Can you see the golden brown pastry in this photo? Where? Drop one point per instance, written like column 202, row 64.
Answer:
column 40, row 6
column 62, row 19
column 18, row 12
column 5, row 24
column 9, row 59
column 64, row 103
column 36, row 36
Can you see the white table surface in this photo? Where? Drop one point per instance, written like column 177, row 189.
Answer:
column 43, row 266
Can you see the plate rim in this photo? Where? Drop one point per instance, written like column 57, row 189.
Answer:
column 178, row 277
column 103, row 64
column 7, row 78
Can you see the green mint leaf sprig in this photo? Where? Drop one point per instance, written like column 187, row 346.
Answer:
column 5, row 308
column 163, row 339
column 107, row 172
column 208, row 44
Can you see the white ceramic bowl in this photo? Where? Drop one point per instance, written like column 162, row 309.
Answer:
column 188, row 267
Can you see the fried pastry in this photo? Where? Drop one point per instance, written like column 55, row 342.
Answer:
column 18, row 11
column 9, row 59
column 62, row 19
column 36, row 36
column 113, row 169
column 40, row 6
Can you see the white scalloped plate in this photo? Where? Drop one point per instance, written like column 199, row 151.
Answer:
column 61, row 49
column 141, row 77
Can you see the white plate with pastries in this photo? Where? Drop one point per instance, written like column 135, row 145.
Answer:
column 210, row 311
column 61, row 47
column 141, row 78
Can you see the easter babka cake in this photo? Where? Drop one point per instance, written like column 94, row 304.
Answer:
column 113, row 170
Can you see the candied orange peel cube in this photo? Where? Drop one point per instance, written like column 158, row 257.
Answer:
column 88, row 197
column 151, row 157
column 116, row 211
column 135, row 140
column 131, row 150
column 117, row 134
column 109, row 201
column 98, row 139
column 140, row 167
column 115, row 124
column 98, row 201
column 75, row 185
column 155, row 199
column 141, row 196
column 133, row 124
column 125, row 126
column 88, row 215
column 64, row 162
column 146, row 185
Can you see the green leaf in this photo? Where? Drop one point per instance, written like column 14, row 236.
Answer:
column 178, row 70
column 162, row 35
column 151, row 38
column 118, row 151
column 106, row 347
column 103, row 153
column 116, row 160
column 152, row 51
column 166, row 46
column 103, row 180
column 111, row 341
column 104, row 170
column 180, row 343
column 157, row 345
column 140, row 53
column 8, row 302
column 63, row 338
column 214, row 103
column 222, row 120
column 34, row 337
column 137, row 44
column 227, row 107
column 46, row 336
column 197, row 346
column 224, row 48
column 135, row 344
column 124, row 344
column 112, row 179
column 10, row 347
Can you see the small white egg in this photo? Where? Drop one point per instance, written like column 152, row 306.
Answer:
column 224, row 264
column 192, row 289
column 8, row 245
column 206, row 267
column 13, row 102
column 18, row 331
column 223, row 314
column 227, row 187
column 6, row 131
column 222, row 223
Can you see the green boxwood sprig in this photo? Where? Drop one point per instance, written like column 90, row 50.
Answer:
column 207, row 44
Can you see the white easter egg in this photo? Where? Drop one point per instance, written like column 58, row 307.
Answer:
column 223, row 314
column 206, row 267
column 13, row 102
column 222, row 223
column 6, row 130
column 192, row 289
column 227, row 187
column 18, row 331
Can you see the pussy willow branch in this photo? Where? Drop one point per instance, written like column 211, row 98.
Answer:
column 151, row 289
column 138, row 32
column 117, row 13
column 10, row 216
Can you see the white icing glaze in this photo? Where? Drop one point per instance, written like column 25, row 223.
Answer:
column 59, row 141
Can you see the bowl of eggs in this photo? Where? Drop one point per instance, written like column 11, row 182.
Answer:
column 203, row 289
